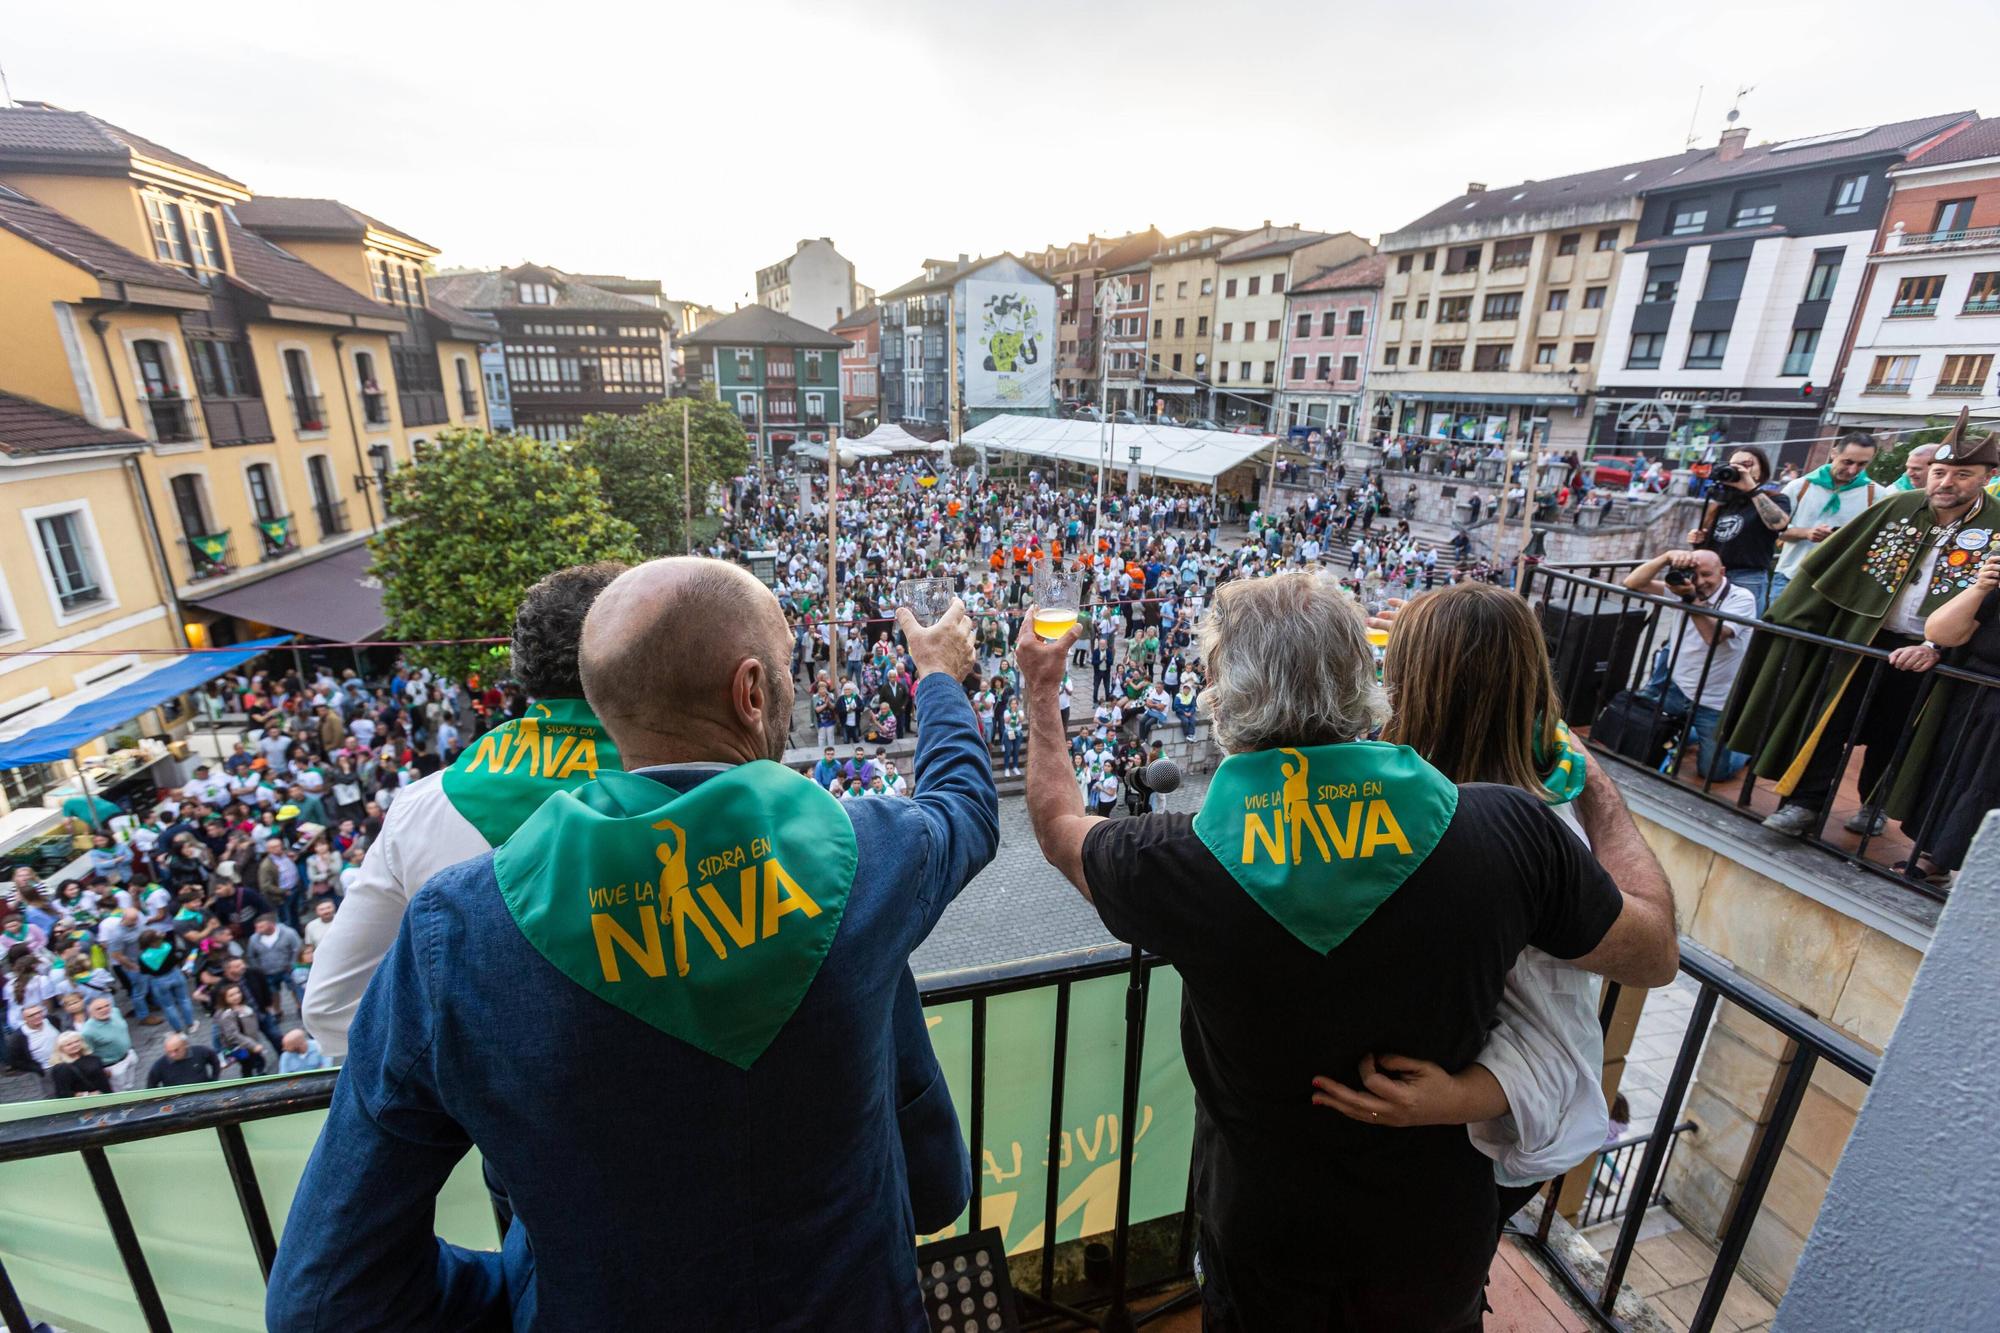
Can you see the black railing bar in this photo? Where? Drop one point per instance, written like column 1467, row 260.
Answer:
column 1057, row 1309
column 1835, row 1047
column 977, row 1120
column 249, row 1196
column 1137, row 990
column 12, row 1313
column 204, row 1108
column 1771, row 1136
column 130, row 1252
column 1824, row 707
column 1653, row 1160
column 1785, row 631
column 1168, row 1306
column 1058, row 1074
column 1096, row 960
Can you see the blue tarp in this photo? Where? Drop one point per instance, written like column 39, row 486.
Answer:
column 52, row 731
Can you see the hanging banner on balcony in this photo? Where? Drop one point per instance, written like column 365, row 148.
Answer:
column 1013, row 1160
column 212, row 547
column 1010, row 344
column 277, row 531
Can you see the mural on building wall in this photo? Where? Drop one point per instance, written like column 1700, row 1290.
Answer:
column 1012, row 329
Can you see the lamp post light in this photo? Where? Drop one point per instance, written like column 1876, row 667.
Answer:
column 1132, row 473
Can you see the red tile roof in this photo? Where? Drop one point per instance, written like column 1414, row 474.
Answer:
column 280, row 215
column 1366, row 271
column 38, row 130
column 70, row 240
column 282, row 278
column 28, row 427
column 1978, row 140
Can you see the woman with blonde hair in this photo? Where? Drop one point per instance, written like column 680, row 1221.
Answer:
column 76, row 1071
column 1470, row 689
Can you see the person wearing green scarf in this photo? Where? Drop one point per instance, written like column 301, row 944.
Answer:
column 1333, row 898
column 1916, row 468
column 1824, row 499
column 668, row 1011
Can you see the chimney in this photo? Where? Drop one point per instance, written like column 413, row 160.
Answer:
column 964, row 258
column 1475, row 187
column 1730, row 147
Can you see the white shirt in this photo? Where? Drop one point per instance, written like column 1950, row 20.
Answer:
column 1727, row 650
column 1851, row 504
column 1906, row 613
column 422, row 834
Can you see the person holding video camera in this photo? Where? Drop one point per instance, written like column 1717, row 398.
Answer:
column 1743, row 520
column 1707, row 652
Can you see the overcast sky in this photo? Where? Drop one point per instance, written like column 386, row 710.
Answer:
column 697, row 143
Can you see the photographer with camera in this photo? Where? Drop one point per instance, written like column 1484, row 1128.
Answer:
column 1699, row 580
column 1744, row 517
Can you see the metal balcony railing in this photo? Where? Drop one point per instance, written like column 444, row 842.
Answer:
column 1888, row 386
column 1911, row 239
column 1913, row 309
column 278, row 534
column 468, row 402
column 209, row 556
column 375, row 407
column 1605, row 638
column 172, row 417
column 332, row 517
column 1973, row 390
column 309, row 411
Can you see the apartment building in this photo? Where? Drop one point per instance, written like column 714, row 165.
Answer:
column 781, row 375
column 1330, row 322
column 860, row 370
column 815, row 283
column 1253, row 273
column 1078, row 270
column 268, row 396
column 1124, row 338
column 1182, row 315
column 1496, row 302
column 929, row 326
column 1927, row 327
column 1734, row 298
column 571, row 347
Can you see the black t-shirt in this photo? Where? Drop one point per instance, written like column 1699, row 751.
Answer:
column 1738, row 534
column 1262, row 1014
column 1982, row 651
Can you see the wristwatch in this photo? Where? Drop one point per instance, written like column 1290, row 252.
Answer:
column 1933, row 647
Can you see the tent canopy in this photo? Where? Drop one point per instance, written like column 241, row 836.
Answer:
column 899, row 441
column 1180, row 453
column 51, row 731
column 851, row 451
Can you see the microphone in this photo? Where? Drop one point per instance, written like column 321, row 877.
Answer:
column 1162, row 775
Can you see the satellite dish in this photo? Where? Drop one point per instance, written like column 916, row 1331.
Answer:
column 1733, row 116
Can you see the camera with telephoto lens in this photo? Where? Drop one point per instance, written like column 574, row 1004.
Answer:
column 1726, row 473
column 1678, row 577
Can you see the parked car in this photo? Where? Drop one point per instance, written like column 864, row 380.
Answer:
column 1617, row 470
column 1203, row 423
column 1086, row 414
column 1125, row 418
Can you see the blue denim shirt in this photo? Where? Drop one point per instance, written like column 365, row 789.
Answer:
column 653, row 1185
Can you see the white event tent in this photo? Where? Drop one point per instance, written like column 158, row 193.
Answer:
column 897, row 440
column 1178, row 453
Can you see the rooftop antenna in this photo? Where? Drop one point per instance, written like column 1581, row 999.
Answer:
column 1736, row 108
column 6, row 92
column 1694, row 115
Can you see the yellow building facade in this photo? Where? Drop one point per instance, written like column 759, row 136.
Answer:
column 232, row 379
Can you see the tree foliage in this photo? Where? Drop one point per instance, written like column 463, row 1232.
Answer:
column 1888, row 465
column 477, row 519
column 638, row 464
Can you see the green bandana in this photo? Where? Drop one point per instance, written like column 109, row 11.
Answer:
column 156, row 955
column 1321, row 837
column 705, row 914
column 1563, row 772
column 512, row 769
column 1823, row 479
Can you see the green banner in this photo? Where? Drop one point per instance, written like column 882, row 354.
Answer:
column 277, row 531
column 211, row 546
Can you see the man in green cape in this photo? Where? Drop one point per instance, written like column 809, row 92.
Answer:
column 1872, row 582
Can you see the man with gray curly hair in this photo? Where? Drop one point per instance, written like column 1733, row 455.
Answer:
column 1337, row 896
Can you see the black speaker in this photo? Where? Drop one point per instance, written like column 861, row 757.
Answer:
column 1592, row 641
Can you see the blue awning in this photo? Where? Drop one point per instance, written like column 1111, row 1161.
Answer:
column 51, row 731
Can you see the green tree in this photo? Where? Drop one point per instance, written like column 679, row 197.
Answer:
column 479, row 518
column 638, row 463
column 1887, row 468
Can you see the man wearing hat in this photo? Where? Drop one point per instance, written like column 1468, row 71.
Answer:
column 1871, row 582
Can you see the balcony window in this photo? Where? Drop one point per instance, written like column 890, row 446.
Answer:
column 1513, row 254
column 1891, row 374
column 1502, row 305
column 1493, row 356
column 1917, row 297
column 374, row 402
column 1404, row 263
column 1463, row 259
column 1755, row 208
column 1454, row 309
column 1662, row 284
column 1545, row 354
column 308, row 409
column 1847, row 193
column 1983, row 296
column 71, row 559
column 1569, row 244
column 1965, row 375
column 1645, row 351
column 167, row 408
column 1391, row 355
column 1689, row 217
column 1424, row 308
column 1558, row 300
column 1799, row 355
column 1580, row 353
column 1607, row 240
column 1396, row 309
column 1430, row 260
column 1950, row 221
column 1447, row 358
column 1707, row 348
column 1825, row 274
column 208, row 550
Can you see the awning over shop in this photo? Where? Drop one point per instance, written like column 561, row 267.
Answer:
column 1170, row 388
column 1488, row 399
column 1180, row 453
column 50, row 731
column 335, row 599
